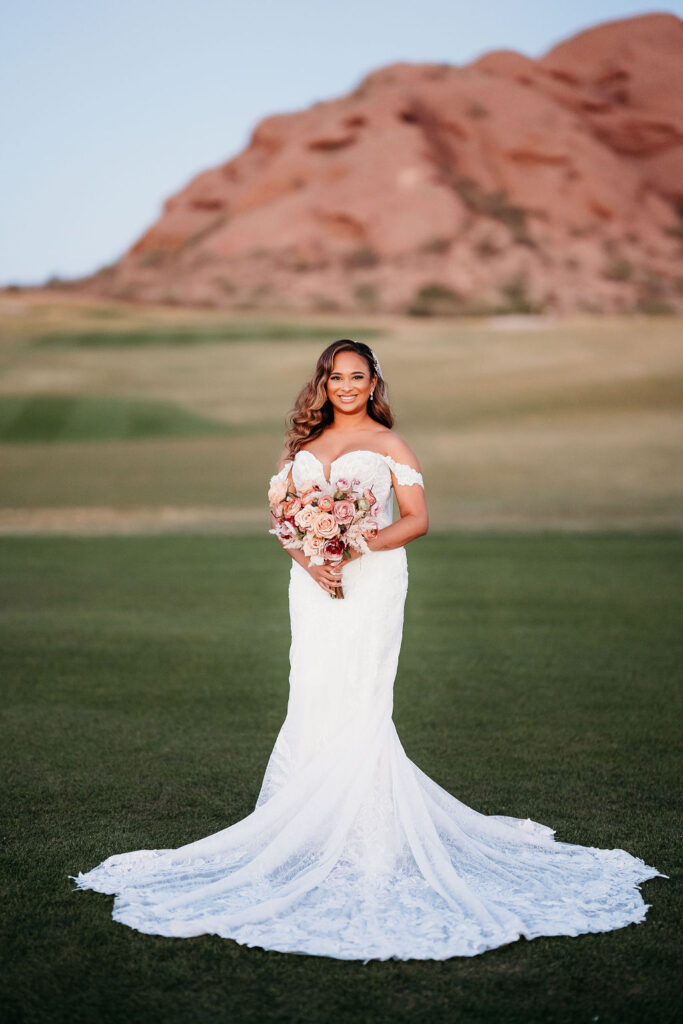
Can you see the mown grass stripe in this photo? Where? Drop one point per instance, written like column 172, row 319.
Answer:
column 35, row 417
column 136, row 337
column 53, row 418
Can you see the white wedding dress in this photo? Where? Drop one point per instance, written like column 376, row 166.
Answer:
column 352, row 851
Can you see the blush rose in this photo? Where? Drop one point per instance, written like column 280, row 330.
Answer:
column 304, row 517
column 344, row 512
column 325, row 525
column 313, row 547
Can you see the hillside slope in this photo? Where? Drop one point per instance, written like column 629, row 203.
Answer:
column 505, row 184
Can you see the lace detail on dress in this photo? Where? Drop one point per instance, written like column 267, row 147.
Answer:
column 405, row 475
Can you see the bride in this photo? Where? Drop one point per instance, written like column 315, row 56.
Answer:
column 352, row 851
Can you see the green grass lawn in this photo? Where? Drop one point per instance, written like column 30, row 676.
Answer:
column 145, row 679
column 194, row 334
column 52, row 418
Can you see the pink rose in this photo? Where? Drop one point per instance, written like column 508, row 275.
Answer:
column 292, row 507
column 304, row 517
column 326, row 503
column 369, row 496
column 309, row 497
column 343, row 485
column 344, row 512
column 325, row 525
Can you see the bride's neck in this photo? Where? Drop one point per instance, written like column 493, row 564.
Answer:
column 349, row 423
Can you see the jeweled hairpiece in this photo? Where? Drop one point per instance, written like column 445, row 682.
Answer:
column 378, row 368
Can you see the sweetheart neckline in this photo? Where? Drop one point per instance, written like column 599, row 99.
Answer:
column 354, row 451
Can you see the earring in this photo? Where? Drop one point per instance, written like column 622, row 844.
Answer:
column 372, row 395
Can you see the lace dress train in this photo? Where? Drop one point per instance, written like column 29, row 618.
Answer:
column 352, row 851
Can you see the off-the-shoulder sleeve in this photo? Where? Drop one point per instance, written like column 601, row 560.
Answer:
column 282, row 475
column 405, row 475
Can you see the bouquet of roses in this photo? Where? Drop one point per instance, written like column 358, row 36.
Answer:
column 325, row 525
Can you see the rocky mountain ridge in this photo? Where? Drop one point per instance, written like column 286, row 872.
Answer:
column 508, row 184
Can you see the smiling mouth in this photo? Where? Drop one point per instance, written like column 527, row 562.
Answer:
column 348, row 398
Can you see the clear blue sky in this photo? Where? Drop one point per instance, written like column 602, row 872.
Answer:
column 108, row 108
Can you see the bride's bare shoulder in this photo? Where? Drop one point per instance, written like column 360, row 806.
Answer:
column 399, row 449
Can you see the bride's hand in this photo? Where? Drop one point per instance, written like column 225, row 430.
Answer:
column 328, row 576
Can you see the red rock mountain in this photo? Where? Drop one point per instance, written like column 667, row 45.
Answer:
column 505, row 184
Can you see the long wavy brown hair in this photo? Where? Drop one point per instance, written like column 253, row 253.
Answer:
column 313, row 411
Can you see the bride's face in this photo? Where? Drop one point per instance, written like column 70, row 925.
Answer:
column 350, row 383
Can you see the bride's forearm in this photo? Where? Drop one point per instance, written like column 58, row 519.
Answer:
column 298, row 556
column 405, row 529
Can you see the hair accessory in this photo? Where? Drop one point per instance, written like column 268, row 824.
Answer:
column 378, row 368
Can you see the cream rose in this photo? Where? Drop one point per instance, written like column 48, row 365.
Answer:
column 313, row 548
column 325, row 525
column 277, row 491
column 304, row 517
